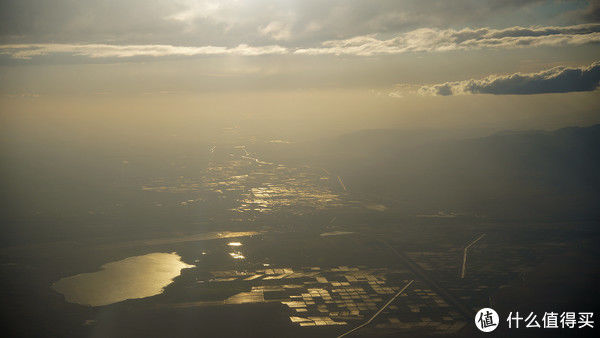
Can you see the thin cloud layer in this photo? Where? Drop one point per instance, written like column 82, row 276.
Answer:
column 256, row 22
column 26, row 51
column 420, row 40
column 555, row 80
column 432, row 40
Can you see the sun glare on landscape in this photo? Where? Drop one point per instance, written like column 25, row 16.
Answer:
column 300, row 168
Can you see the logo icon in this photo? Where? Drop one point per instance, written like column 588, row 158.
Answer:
column 487, row 320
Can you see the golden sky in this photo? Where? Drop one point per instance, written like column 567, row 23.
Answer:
column 325, row 66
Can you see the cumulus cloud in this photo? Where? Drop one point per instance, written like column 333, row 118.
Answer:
column 555, row 80
column 430, row 40
column 26, row 51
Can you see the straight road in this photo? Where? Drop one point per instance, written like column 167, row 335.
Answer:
column 424, row 277
column 378, row 312
column 464, row 264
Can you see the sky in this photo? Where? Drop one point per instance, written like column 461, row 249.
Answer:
column 154, row 68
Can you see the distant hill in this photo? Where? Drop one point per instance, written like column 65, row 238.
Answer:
column 531, row 174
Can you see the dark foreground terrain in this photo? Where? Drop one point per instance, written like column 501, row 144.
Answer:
column 328, row 235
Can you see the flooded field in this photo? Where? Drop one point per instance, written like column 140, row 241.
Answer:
column 241, row 240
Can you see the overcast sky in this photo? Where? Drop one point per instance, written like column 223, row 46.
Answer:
column 411, row 64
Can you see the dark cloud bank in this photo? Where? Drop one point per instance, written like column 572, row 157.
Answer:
column 555, row 80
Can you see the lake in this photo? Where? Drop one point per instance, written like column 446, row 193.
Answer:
column 130, row 278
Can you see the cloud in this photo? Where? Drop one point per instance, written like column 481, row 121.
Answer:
column 26, row 51
column 276, row 30
column 555, row 80
column 592, row 12
column 420, row 40
column 231, row 22
column 432, row 40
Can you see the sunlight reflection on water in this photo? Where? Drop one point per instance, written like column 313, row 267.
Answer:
column 133, row 277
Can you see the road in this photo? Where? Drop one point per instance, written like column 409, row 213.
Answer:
column 433, row 285
column 464, row 264
column 342, row 183
column 378, row 312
